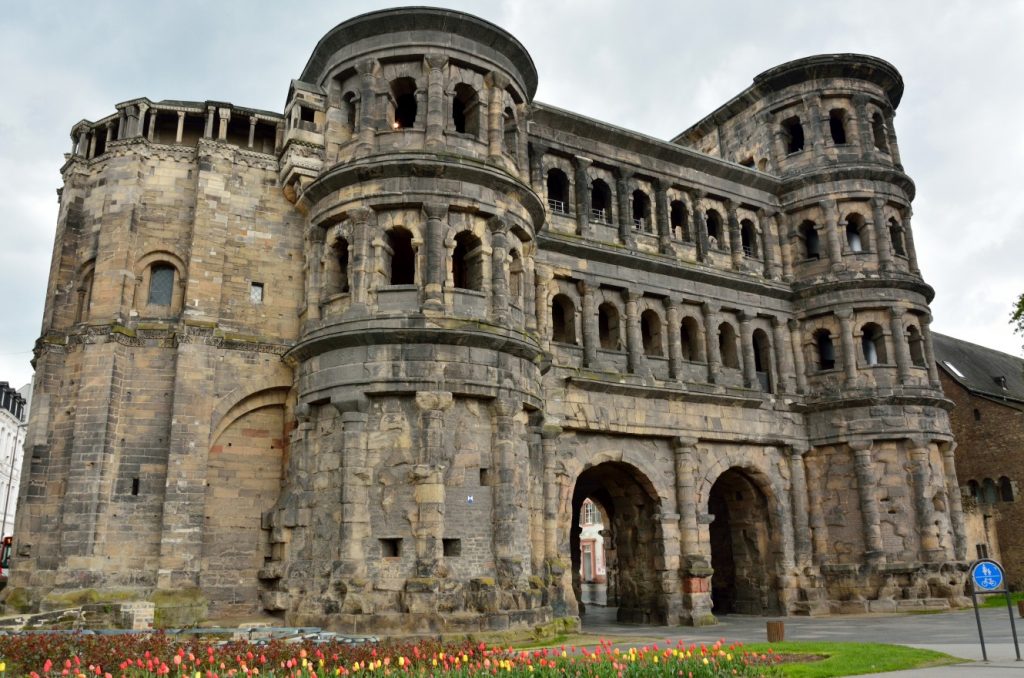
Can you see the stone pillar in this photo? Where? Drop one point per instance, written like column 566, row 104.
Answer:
column 890, row 133
column 882, row 240
column 798, row 499
column 81, row 146
column 537, row 170
column 784, row 355
column 711, row 339
column 675, row 349
column 899, row 344
column 367, row 69
column 764, row 220
column 661, row 216
column 865, row 136
column 956, row 509
column 110, row 135
column 224, row 114
column 812, row 104
column 363, row 222
column 908, row 240
column 529, row 292
column 181, row 127
column 845, row 316
column 929, row 351
column 434, row 66
column 785, row 246
column 832, row 239
column 582, row 181
column 499, row 271
column 815, row 517
column 549, row 442
column 920, row 472
column 747, row 349
column 686, row 496
column 509, row 555
column 625, row 213
column 799, row 366
column 252, row 131
column 496, row 84
column 355, row 495
column 867, row 483
column 590, row 328
column 735, row 239
column 428, row 482
column 92, row 143
column 315, row 237
column 634, row 339
column 700, row 226
column 544, row 277
column 210, row 114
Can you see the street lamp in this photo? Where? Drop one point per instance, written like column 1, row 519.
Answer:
column 10, row 477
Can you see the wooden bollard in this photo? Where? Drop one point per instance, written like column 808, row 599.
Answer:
column 776, row 631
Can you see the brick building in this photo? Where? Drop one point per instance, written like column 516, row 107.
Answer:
column 360, row 363
column 987, row 387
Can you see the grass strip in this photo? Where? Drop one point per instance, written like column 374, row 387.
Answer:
column 851, row 659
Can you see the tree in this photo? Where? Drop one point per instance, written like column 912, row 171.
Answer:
column 1017, row 315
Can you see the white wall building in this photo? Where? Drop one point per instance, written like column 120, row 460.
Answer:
column 14, row 405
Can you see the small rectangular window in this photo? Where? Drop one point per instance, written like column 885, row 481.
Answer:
column 256, row 293
column 305, row 114
column 135, row 487
column 391, row 548
column 485, row 477
column 452, row 547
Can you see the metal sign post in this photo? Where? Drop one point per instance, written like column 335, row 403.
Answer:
column 988, row 576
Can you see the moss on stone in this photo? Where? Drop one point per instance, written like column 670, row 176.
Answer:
column 56, row 601
column 178, row 607
column 18, row 600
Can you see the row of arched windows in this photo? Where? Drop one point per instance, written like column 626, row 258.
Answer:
column 793, row 138
column 872, row 347
column 856, row 234
column 989, row 491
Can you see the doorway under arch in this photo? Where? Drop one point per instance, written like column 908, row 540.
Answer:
column 743, row 547
column 632, row 540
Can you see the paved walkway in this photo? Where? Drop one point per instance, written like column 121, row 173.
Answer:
column 954, row 633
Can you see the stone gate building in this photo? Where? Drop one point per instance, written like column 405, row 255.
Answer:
column 359, row 364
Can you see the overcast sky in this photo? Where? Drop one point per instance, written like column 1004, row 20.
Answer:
column 654, row 67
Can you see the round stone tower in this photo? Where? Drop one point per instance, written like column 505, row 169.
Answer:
column 418, row 367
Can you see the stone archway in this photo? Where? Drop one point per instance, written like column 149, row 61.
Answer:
column 743, row 547
column 633, row 540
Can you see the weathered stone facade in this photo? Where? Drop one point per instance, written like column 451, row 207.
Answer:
column 359, row 365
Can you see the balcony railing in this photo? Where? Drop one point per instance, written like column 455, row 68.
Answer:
column 557, row 206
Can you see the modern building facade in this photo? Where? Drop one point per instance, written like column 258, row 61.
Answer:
column 14, row 409
column 360, row 363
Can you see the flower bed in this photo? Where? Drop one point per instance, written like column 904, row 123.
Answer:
column 130, row 656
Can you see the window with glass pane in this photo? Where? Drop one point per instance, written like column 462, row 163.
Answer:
column 161, row 285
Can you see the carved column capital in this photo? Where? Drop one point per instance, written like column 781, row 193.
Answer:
column 435, row 210
column 435, row 62
column 497, row 80
column 427, row 401
column 497, row 225
column 361, row 215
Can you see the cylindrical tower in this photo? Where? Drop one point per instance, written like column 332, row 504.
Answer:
column 418, row 366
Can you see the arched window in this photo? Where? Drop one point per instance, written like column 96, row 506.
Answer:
column 348, row 109
column 466, row 110
column 714, row 222
column 608, row 327
column 977, row 414
column 989, row 492
column 896, row 237
column 85, row 293
column 558, row 191
column 510, row 132
column 690, row 340
column 403, row 101
column 916, row 342
column 793, row 134
column 650, row 331
column 467, row 262
column 872, row 343
column 401, row 264
column 642, row 212
column 677, row 220
column 161, row 284
column 748, row 237
column 1005, row 489
column 515, row 277
column 812, row 244
column 337, row 267
column 973, row 489
column 727, row 346
column 563, row 320
column 878, row 132
column 763, row 360
column 837, row 125
column 854, row 229
column 826, row 352
column 600, row 202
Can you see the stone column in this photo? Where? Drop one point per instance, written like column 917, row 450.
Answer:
column 798, row 499
column 428, row 482
column 355, row 496
column 929, row 351
column 784, row 354
column 509, row 555
column 899, row 344
column 711, row 339
column 920, row 472
column 832, row 240
column 845, row 316
column 813, row 106
column 735, row 239
column 496, row 84
column 363, row 222
column 208, row 130
column 764, row 220
column 747, row 349
column 434, row 129
column 529, row 292
column 799, row 366
column 544, row 277
column 582, row 181
column 866, row 138
column 549, row 442
column 367, row 69
column 867, row 483
column 181, row 127
column 686, row 495
column 82, row 144
column 883, row 243
column 499, row 272
column 634, row 339
column 315, row 237
column 224, row 115
column 110, row 135
column 816, row 519
column 700, row 226
column 252, row 131
column 590, row 329
column 785, row 240
column 675, row 349
column 908, row 240
column 537, row 170
column 956, row 509
column 92, row 143
column 625, row 213
column 890, row 132
column 661, row 216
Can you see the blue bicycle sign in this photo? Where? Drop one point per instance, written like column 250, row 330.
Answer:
column 987, row 575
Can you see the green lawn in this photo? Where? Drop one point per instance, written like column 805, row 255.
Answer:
column 999, row 600
column 850, row 659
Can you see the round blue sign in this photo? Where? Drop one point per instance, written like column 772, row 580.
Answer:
column 987, row 575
